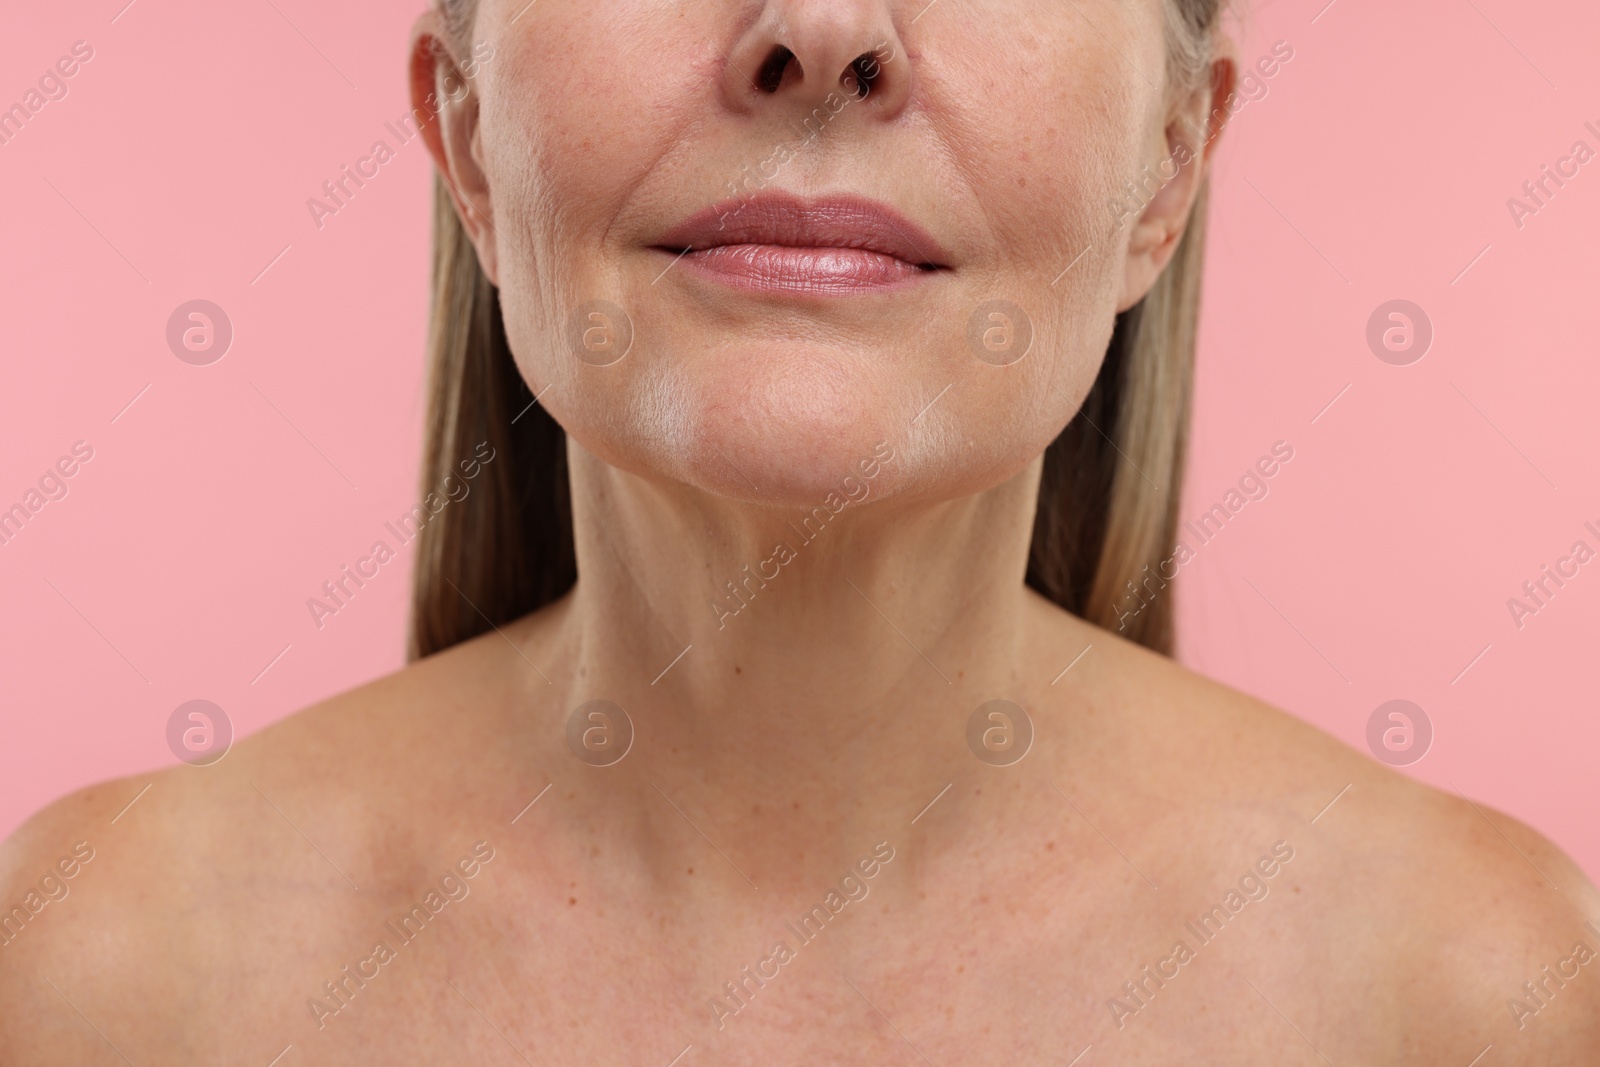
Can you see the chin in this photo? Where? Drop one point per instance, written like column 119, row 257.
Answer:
column 781, row 422
column 790, row 423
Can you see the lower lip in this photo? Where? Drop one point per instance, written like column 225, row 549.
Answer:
column 802, row 271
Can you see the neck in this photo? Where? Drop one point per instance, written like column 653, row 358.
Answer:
column 806, row 676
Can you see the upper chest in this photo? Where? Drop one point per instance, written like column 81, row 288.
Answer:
column 1031, row 969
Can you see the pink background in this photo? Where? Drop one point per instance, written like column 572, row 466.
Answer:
column 1377, row 167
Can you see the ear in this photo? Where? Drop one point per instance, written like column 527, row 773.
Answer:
column 1172, row 177
column 444, row 101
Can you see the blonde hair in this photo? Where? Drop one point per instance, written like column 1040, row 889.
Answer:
column 1108, row 498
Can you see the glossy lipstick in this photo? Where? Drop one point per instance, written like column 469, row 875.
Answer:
column 826, row 246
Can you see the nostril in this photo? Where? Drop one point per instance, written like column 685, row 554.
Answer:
column 862, row 74
column 773, row 69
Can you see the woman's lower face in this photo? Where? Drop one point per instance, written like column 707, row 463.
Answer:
column 787, row 231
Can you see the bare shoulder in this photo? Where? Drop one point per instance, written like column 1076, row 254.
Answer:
column 91, row 898
column 1418, row 916
column 1516, row 925
column 117, row 896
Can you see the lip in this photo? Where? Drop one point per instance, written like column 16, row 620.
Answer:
column 782, row 243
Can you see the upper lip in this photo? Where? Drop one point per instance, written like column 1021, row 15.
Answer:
column 790, row 221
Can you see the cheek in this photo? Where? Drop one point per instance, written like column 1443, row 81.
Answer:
column 1047, row 134
column 1047, row 149
column 565, row 150
column 552, row 172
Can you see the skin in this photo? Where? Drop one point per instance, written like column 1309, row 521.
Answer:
column 828, row 718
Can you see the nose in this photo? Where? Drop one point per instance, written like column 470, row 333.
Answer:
column 816, row 52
